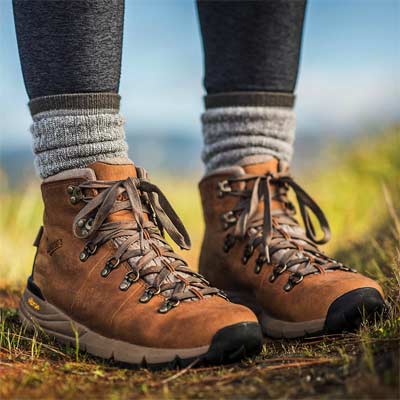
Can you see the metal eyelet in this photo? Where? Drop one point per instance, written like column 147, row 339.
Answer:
column 229, row 242
column 294, row 279
column 228, row 219
column 75, row 193
column 168, row 305
column 223, row 187
column 83, row 256
column 111, row 264
column 259, row 264
column 149, row 293
column 248, row 252
column 278, row 270
column 129, row 280
column 89, row 224
column 87, row 251
column 85, row 225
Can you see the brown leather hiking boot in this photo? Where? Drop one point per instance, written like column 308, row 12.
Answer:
column 255, row 250
column 103, row 269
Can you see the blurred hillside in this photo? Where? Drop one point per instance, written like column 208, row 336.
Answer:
column 168, row 153
column 352, row 182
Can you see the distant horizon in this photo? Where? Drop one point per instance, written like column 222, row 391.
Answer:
column 180, row 154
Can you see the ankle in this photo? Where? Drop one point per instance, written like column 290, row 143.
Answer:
column 75, row 130
column 249, row 125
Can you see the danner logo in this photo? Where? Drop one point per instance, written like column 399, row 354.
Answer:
column 53, row 246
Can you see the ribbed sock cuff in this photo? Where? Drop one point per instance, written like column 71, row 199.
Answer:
column 232, row 133
column 249, row 99
column 78, row 101
column 73, row 131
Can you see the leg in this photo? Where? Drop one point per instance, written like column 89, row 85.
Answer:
column 70, row 54
column 251, row 47
column 254, row 248
column 252, row 53
column 102, row 261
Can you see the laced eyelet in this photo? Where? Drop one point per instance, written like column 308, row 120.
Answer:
column 89, row 224
column 129, row 280
column 87, row 251
column 259, row 264
column 84, row 255
column 111, row 264
column 248, row 252
column 223, row 188
column 228, row 219
column 288, row 286
column 149, row 293
column 75, row 193
column 278, row 270
column 229, row 242
column 168, row 305
column 294, row 279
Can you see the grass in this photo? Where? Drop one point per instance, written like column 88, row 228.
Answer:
column 361, row 197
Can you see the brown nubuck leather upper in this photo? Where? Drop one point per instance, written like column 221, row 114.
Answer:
column 102, row 259
column 254, row 245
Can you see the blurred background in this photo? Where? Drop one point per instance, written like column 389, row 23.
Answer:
column 348, row 98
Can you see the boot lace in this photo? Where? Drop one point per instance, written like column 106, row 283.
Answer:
column 275, row 232
column 139, row 241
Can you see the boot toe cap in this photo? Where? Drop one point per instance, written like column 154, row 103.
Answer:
column 347, row 312
column 234, row 342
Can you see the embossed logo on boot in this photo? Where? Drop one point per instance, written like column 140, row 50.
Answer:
column 53, row 246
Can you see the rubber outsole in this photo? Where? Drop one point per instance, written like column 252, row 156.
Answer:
column 345, row 314
column 229, row 344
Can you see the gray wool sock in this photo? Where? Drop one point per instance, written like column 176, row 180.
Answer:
column 241, row 125
column 75, row 130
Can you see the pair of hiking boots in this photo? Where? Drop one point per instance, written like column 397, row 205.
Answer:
column 105, row 278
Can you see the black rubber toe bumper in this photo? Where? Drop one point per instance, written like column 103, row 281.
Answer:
column 348, row 311
column 235, row 342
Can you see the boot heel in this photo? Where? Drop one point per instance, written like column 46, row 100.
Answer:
column 37, row 314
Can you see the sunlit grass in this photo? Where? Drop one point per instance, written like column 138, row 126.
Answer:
column 361, row 197
column 20, row 219
column 349, row 189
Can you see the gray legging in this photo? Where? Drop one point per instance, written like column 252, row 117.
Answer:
column 74, row 46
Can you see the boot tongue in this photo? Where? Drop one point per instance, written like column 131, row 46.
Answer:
column 262, row 168
column 113, row 172
column 273, row 166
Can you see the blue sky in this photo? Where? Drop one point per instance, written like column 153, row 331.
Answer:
column 349, row 74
